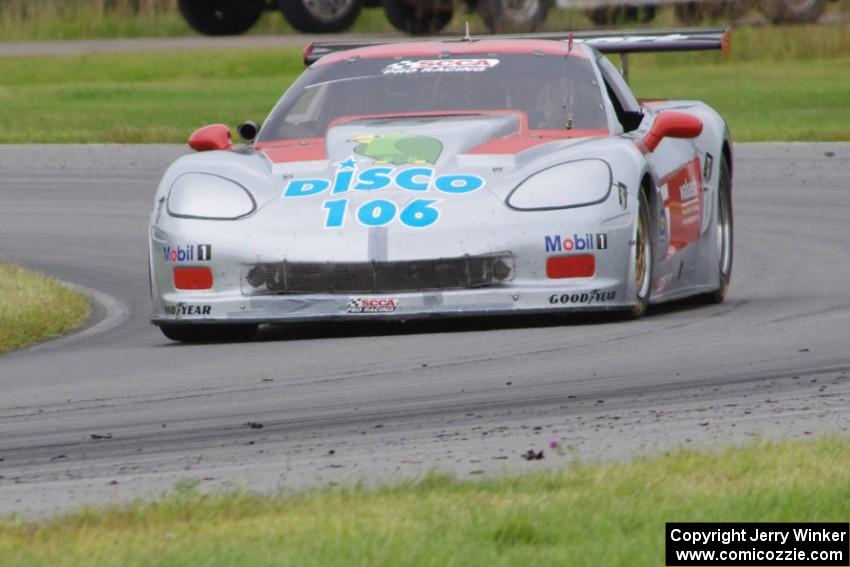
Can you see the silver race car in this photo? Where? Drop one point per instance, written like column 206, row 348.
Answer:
column 444, row 178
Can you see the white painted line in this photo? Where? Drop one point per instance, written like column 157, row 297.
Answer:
column 117, row 312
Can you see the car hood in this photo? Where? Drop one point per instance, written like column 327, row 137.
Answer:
column 462, row 165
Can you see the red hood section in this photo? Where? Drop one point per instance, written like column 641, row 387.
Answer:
column 527, row 139
column 313, row 149
column 287, row 151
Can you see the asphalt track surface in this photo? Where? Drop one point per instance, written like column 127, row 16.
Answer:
column 369, row 403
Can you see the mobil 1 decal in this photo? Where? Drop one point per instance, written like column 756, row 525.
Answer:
column 177, row 254
column 421, row 182
column 683, row 201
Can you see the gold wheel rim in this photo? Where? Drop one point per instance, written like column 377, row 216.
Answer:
column 640, row 257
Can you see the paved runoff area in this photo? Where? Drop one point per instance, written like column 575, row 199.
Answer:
column 117, row 411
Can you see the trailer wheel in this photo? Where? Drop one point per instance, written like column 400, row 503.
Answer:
column 221, row 17
column 792, row 11
column 501, row 16
column 692, row 13
column 605, row 16
column 417, row 19
column 320, row 16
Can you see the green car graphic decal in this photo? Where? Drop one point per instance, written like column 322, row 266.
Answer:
column 398, row 148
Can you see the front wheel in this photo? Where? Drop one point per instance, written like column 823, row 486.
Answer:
column 517, row 16
column 725, row 235
column 221, row 17
column 189, row 333
column 642, row 259
column 417, row 19
column 320, row 16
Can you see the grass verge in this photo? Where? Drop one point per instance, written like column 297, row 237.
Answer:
column 780, row 84
column 35, row 307
column 610, row 514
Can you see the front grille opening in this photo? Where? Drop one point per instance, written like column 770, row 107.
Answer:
column 465, row 272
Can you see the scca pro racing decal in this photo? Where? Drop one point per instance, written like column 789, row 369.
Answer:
column 418, row 213
column 372, row 305
column 192, row 253
column 408, row 67
column 582, row 297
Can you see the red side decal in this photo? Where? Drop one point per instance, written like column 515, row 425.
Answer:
column 684, row 203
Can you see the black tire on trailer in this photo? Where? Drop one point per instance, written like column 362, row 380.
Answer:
column 418, row 19
column 513, row 16
column 692, row 13
column 725, row 235
column 689, row 13
column 792, row 11
column 203, row 333
column 221, row 17
column 606, row 16
column 642, row 261
column 372, row 3
column 729, row 10
column 320, row 16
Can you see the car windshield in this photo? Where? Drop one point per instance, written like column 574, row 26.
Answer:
column 554, row 92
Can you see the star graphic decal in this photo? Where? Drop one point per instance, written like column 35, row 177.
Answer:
column 348, row 164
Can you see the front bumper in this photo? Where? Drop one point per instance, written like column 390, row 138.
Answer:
column 529, row 239
column 219, row 308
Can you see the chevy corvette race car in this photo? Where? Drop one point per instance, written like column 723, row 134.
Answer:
column 448, row 178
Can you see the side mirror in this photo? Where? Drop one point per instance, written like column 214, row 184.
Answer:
column 248, row 131
column 213, row 137
column 672, row 124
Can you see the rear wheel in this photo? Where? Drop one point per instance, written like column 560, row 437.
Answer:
column 221, row 17
column 642, row 260
column 518, row 16
column 725, row 235
column 320, row 16
column 792, row 11
column 189, row 333
column 419, row 18
column 692, row 13
column 606, row 16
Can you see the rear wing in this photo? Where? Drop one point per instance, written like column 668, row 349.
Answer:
column 620, row 42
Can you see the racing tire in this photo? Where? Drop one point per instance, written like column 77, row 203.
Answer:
column 725, row 235
column 792, row 11
column 220, row 17
column 642, row 261
column 208, row 333
column 513, row 16
column 320, row 16
column 606, row 16
column 692, row 13
column 416, row 20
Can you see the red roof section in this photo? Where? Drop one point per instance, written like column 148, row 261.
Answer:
column 456, row 48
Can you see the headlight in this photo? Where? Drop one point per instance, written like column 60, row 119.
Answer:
column 571, row 184
column 207, row 196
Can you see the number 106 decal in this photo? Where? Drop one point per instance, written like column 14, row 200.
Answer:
column 419, row 213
